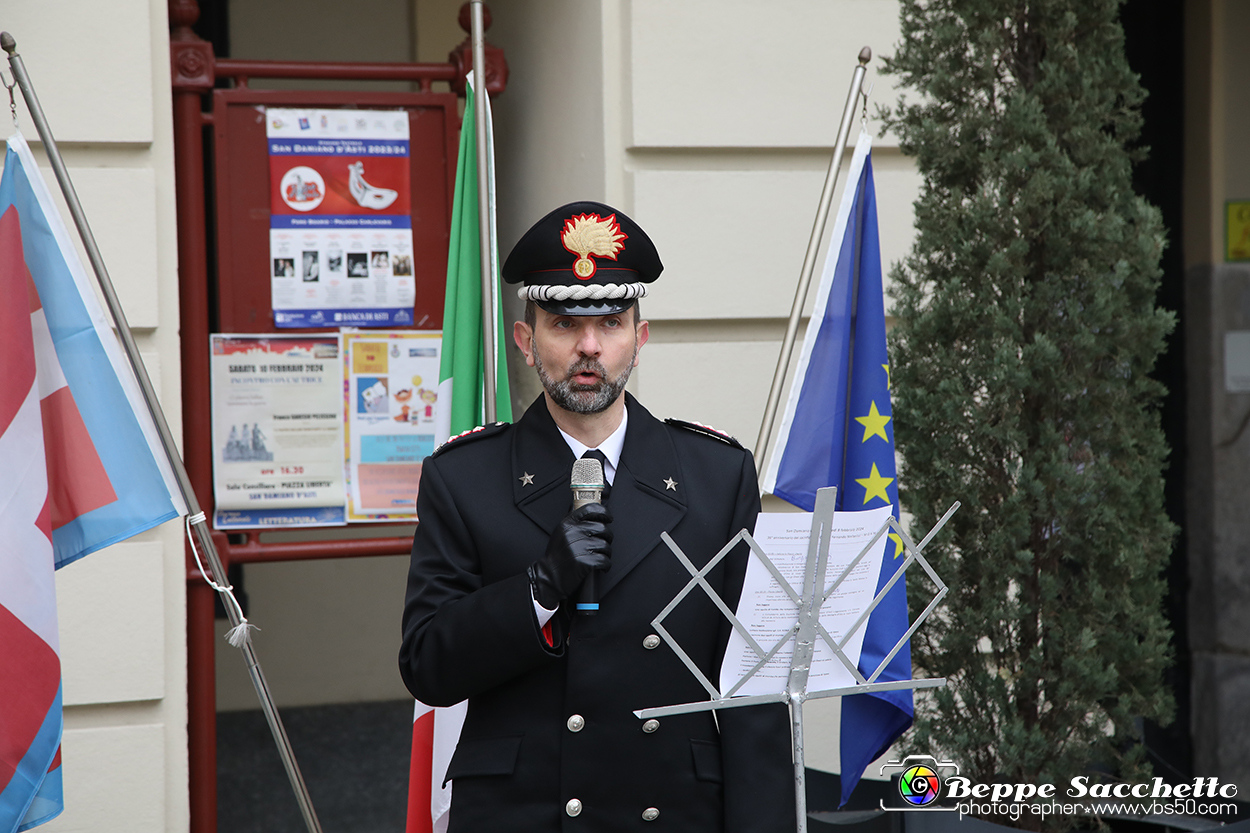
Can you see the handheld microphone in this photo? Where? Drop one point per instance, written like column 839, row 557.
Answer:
column 588, row 483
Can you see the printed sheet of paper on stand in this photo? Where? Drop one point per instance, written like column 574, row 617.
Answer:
column 768, row 612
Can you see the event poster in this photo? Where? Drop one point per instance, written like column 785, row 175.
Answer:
column 340, row 225
column 391, row 395
column 277, row 431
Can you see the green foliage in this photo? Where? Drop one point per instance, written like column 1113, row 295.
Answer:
column 1026, row 330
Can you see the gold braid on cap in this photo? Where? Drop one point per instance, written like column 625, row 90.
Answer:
column 590, row 292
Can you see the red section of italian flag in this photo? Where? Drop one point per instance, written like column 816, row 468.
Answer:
column 420, row 771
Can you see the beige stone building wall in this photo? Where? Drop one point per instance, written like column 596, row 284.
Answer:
column 102, row 73
column 712, row 125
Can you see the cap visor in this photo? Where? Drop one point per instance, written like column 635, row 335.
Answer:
column 607, row 306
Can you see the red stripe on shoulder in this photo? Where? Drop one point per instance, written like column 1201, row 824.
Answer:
column 472, row 434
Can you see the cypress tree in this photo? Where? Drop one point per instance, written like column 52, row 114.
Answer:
column 1026, row 330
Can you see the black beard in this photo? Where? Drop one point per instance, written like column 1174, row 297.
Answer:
column 584, row 399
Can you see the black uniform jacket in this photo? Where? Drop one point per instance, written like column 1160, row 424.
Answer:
column 469, row 631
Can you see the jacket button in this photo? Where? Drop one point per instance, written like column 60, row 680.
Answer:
column 651, row 642
column 576, row 723
column 650, row 726
column 650, row 814
column 574, row 807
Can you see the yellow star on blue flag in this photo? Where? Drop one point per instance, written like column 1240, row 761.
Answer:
column 875, row 485
column 874, row 423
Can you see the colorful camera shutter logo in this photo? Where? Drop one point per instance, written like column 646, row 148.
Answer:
column 920, row 786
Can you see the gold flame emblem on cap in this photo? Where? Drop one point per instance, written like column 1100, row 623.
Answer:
column 590, row 234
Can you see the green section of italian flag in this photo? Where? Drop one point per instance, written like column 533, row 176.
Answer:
column 461, row 403
column 461, row 406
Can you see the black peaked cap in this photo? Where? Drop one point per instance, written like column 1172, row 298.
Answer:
column 584, row 245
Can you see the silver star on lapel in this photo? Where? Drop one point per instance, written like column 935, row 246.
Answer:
column 526, row 479
column 670, row 484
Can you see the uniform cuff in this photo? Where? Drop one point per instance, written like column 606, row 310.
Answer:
column 544, row 615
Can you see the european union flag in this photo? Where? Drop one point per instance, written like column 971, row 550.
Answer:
column 837, row 431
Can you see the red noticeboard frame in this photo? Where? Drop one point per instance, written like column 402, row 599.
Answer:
column 224, row 283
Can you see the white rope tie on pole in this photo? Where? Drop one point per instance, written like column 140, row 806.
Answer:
column 241, row 632
column 597, row 292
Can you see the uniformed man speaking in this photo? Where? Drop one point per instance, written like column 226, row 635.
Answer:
column 550, row 741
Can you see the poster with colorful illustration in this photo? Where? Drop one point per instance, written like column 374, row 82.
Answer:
column 340, row 218
column 277, row 413
column 391, row 395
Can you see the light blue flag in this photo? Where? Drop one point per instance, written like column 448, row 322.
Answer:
column 81, row 469
column 114, row 478
column 837, row 431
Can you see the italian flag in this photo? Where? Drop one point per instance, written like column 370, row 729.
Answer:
column 461, row 394
column 461, row 406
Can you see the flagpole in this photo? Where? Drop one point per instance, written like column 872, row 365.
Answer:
column 489, row 337
column 809, row 259
column 195, row 516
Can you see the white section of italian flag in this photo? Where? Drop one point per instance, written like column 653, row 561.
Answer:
column 435, row 733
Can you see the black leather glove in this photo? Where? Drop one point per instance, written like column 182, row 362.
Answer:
column 580, row 543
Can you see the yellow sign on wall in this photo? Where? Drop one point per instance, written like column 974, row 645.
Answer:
column 1237, row 230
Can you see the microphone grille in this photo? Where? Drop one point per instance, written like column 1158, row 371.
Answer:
column 588, row 471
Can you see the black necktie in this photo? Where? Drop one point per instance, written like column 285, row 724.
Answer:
column 596, row 454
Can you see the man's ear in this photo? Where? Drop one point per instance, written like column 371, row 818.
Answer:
column 523, row 336
column 644, row 332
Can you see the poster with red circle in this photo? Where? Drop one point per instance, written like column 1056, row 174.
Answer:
column 340, row 224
